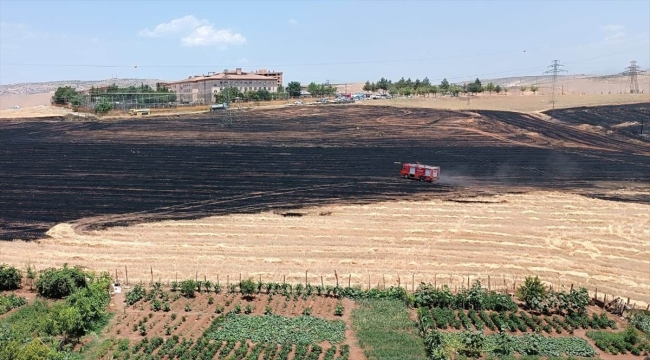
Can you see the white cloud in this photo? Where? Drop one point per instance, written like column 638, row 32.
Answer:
column 293, row 21
column 612, row 28
column 195, row 32
column 207, row 35
column 174, row 27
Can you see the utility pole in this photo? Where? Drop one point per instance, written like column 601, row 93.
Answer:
column 228, row 115
column 633, row 71
column 555, row 68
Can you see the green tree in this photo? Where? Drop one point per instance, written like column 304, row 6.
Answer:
column 264, row 95
column 59, row 283
column 64, row 95
column 31, row 275
column 498, row 89
column 444, row 86
column 188, row 287
column 248, row 288
column 426, row 83
column 523, row 89
column 475, row 87
column 294, row 88
column 103, row 106
column 490, row 87
column 367, row 86
column 433, row 90
column 10, row 277
column 505, row 90
column 228, row 95
column 313, row 88
column 68, row 322
column 532, row 292
column 534, row 89
column 280, row 89
column 382, row 84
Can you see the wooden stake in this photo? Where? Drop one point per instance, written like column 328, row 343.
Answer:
column 337, row 278
column 284, row 279
column 126, row 273
column 322, row 284
column 177, row 276
column 205, row 278
column 399, row 282
column 413, row 282
column 435, row 281
column 240, row 279
column 368, row 281
column 196, row 276
column 350, row 280
column 227, row 282
column 306, row 277
column 116, row 279
column 151, row 268
column 571, row 287
column 218, row 279
column 489, row 285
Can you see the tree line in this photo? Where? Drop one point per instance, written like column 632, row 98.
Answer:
column 425, row 88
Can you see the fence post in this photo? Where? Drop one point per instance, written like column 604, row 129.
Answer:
column 399, row 282
column 322, row 284
column 368, row 281
column 227, row 282
column 349, row 280
column 126, row 273
column 337, row 278
column 489, row 285
column 435, row 281
column 218, row 279
column 151, row 268
column 413, row 282
column 306, row 277
column 284, row 279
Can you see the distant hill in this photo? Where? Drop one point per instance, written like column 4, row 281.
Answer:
column 51, row 86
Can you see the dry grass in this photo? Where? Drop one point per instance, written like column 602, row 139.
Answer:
column 34, row 112
column 563, row 238
column 512, row 102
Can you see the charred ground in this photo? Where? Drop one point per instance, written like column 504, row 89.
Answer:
column 98, row 174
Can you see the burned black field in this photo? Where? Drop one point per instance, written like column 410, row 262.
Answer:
column 104, row 173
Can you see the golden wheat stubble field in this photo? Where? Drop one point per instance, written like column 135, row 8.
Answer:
column 565, row 239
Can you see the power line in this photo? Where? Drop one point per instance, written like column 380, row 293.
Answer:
column 297, row 65
column 555, row 69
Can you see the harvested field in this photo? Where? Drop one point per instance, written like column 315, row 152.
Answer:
column 338, row 160
column 512, row 102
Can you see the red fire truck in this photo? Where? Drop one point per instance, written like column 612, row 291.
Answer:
column 420, row 172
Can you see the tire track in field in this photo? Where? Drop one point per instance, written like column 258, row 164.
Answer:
column 160, row 212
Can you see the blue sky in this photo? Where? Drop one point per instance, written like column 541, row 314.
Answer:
column 339, row 41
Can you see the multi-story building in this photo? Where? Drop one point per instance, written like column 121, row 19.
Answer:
column 202, row 88
column 277, row 75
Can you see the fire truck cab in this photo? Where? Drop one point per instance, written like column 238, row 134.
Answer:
column 420, row 172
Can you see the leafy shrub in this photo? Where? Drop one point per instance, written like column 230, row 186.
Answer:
column 307, row 311
column 10, row 277
column 268, row 310
column 135, row 295
column 155, row 305
column 188, row 308
column 247, row 288
column 210, row 300
column 173, row 317
column 59, row 283
column 217, row 288
column 11, row 302
column 188, row 287
column 248, row 309
column 641, row 322
column 166, row 307
column 338, row 310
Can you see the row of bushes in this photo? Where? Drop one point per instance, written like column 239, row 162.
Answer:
column 50, row 283
column 249, row 288
column 475, row 298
